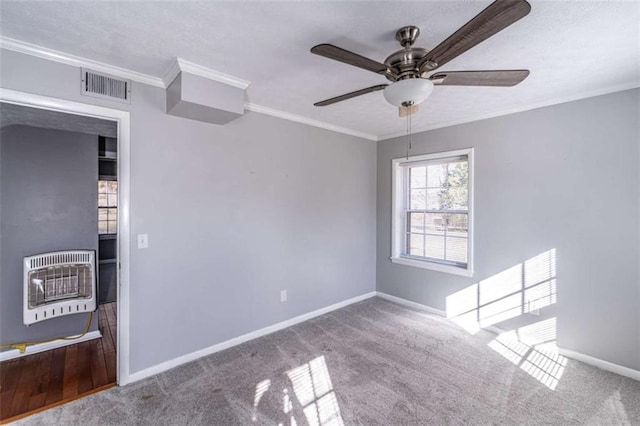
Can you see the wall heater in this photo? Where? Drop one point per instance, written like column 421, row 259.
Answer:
column 59, row 283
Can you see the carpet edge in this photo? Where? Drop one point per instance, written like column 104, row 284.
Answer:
column 192, row 356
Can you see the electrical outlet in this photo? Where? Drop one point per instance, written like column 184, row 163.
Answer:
column 143, row 241
column 283, row 295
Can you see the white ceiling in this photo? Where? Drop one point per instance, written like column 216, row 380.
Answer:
column 573, row 49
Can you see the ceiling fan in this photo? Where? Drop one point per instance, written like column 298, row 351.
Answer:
column 408, row 68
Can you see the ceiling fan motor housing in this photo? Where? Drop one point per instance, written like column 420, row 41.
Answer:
column 404, row 63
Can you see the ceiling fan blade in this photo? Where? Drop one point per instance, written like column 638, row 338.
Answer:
column 504, row 78
column 351, row 95
column 496, row 17
column 339, row 54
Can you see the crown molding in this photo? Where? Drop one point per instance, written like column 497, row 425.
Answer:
column 179, row 65
column 182, row 65
column 528, row 107
column 308, row 121
column 77, row 61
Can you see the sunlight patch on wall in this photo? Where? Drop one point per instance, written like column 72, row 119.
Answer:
column 523, row 288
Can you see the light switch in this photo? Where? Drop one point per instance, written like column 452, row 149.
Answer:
column 143, row 241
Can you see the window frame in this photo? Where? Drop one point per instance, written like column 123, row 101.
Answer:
column 399, row 194
column 107, row 208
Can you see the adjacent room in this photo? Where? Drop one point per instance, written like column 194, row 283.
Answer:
column 320, row 212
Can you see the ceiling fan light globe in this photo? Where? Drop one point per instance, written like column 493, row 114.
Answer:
column 409, row 91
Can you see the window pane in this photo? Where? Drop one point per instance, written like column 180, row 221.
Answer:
column 102, row 214
column 457, row 249
column 417, row 200
column 113, row 227
column 458, row 198
column 112, row 199
column 416, row 222
column 436, row 199
column 417, row 177
column 113, row 214
column 435, row 223
column 113, row 186
column 416, row 244
column 436, row 175
column 458, row 225
column 434, row 245
column 458, row 174
column 102, row 200
column 102, row 186
column 102, row 227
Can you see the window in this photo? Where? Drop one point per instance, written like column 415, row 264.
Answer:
column 107, row 207
column 432, row 211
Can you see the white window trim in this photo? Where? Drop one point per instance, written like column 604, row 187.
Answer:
column 397, row 214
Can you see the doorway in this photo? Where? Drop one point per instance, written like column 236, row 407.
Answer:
column 43, row 376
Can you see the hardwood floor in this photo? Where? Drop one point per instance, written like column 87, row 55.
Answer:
column 35, row 382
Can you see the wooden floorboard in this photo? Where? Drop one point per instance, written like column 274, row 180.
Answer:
column 47, row 379
column 70, row 380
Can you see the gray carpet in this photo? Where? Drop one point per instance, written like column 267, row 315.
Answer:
column 374, row 362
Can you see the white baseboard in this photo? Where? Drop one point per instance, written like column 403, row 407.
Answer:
column 577, row 356
column 159, row 368
column 41, row 347
column 601, row 364
column 411, row 304
column 431, row 310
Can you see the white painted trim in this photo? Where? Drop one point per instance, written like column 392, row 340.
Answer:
column 159, row 368
column 398, row 215
column 308, row 121
column 171, row 74
column 427, row 308
column 124, row 147
column 431, row 266
column 601, row 364
column 176, row 66
column 577, row 356
column 522, row 108
column 411, row 304
column 41, row 347
column 179, row 65
column 77, row 61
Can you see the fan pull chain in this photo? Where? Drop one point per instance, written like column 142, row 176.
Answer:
column 408, row 132
column 408, row 137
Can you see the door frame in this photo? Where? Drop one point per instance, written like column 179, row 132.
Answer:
column 122, row 118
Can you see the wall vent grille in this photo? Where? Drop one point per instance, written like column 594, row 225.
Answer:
column 104, row 86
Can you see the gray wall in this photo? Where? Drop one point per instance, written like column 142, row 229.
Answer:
column 234, row 214
column 564, row 177
column 49, row 203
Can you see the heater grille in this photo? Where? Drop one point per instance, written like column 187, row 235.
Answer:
column 59, row 283
column 106, row 87
column 56, row 258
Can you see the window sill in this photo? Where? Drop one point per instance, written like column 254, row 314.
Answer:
column 432, row 266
